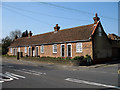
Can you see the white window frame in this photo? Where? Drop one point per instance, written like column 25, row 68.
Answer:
column 18, row 49
column 61, row 50
column 10, row 50
column 15, row 51
column 54, row 48
column 25, row 49
column 42, row 48
column 38, row 50
column 80, row 47
column 67, row 49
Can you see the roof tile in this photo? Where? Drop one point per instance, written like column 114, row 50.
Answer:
column 70, row 34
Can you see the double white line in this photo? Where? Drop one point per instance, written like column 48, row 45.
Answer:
column 9, row 76
column 91, row 83
column 31, row 72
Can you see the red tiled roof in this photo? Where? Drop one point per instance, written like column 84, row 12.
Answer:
column 113, row 37
column 70, row 34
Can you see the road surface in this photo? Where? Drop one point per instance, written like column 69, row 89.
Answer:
column 29, row 75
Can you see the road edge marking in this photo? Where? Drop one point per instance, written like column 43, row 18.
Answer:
column 91, row 83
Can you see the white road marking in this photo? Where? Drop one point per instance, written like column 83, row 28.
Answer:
column 11, row 76
column 28, row 72
column 34, row 71
column 91, row 83
column 15, row 75
column 1, row 81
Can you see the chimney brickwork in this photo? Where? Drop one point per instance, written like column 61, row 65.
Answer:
column 29, row 34
column 96, row 18
column 56, row 28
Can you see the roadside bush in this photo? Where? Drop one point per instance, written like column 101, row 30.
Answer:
column 83, row 60
column 43, row 57
column 9, row 55
column 60, row 58
column 68, row 58
column 86, row 60
column 78, row 58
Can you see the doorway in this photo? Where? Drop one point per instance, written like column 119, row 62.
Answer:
column 62, row 50
column 69, row 50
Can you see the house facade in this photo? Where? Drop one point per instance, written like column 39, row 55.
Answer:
column 77, row 41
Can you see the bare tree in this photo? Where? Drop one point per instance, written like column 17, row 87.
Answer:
column 15, row 33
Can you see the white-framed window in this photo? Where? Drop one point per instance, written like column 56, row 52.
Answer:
column 55, row 48
column 79, row 47
column 42, row 48
column 25, row 49
column 10, row 50
column 15, row 51
column 99, row 31
column 18, row 49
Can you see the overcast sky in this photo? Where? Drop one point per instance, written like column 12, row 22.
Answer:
column 40, row 17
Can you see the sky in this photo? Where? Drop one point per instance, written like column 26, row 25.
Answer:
column 41, row 17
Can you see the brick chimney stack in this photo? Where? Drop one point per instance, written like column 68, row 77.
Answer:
column 96, row 18
column 16, row 37
column 29, row 34
column 56, row 28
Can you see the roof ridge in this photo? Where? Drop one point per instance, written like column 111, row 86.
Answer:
column 77, row 27
column 62, row 30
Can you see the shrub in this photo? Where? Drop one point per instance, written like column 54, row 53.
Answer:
column 43, row 57
column 86, row 60
column 78, row 58
column 68, row 58
column 60, row 58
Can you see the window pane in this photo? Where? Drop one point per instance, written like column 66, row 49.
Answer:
column 25, row 49
column 63, row 50
column 78, row 47
column 42, row 49
column 11, row 50
column 54, row 48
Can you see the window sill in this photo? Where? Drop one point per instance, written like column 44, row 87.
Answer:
column 79, row 52
column 55, row 52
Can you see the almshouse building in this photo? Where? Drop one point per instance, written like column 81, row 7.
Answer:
column 77, row 41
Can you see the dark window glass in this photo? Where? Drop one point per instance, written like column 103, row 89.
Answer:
column 62, row 50
column 69, row 50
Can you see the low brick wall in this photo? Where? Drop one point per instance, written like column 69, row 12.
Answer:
column 46, row 60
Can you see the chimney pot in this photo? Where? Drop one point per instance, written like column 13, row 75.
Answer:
column 56, row 28
column 96, row 15
column 96, row 18
column 29, row 34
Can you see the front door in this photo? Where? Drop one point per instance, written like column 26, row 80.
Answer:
column 33, row 51
column 36, row 51
column 63, row 50
column 14, row 51
column 69, row 50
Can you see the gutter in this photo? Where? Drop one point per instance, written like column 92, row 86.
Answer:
column 87, row 40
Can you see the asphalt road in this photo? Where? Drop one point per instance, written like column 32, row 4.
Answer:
column 27, row 75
